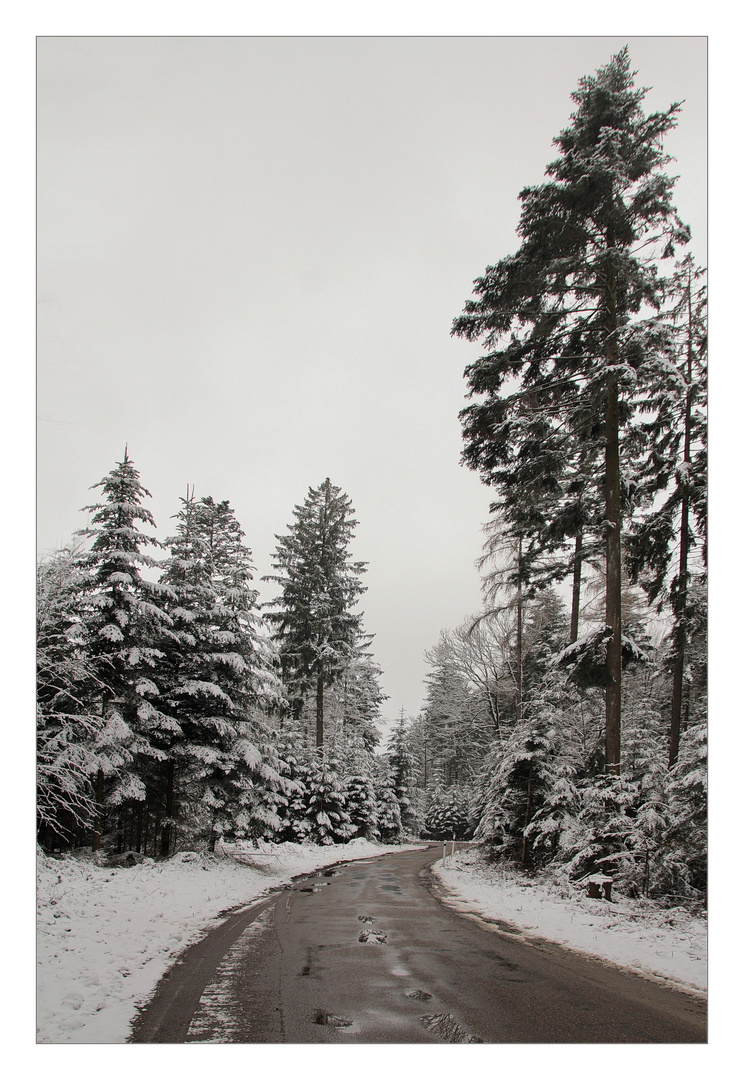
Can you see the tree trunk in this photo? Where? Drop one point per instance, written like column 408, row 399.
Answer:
column 320, row 686
column 613, row 601
column 297, row 704
column 576, row 594
column 680, row 598
column 98, row 822
column 527, row 816
column 680, row 636
column 493, row 708
column 167, row 836
column 518, row 710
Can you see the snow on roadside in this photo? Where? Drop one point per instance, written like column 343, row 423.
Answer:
column 665, row 943
column 105, row 936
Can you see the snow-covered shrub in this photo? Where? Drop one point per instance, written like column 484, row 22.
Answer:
column 361, row 805
column 447, row 816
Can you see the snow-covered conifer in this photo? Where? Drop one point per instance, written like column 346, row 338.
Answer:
column 69, row 724
column 222, row 675
column 401, row 762
column 326, row 802
column 388, row 809
column 315, row 624
column 569, row 322
column 361, row 804
column 126, row 626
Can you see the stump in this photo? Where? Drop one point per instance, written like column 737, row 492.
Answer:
column 597, row 886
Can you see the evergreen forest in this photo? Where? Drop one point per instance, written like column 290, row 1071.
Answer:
column 564, row 725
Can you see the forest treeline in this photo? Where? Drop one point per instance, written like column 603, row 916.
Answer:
column 564, row 724
column 174, row 708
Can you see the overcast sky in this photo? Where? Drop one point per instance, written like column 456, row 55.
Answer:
column 250, row 254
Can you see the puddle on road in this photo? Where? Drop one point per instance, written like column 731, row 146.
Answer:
column 365, row 918
column 331, row 1019
column 507, row 964
column 418, row 995
column 445, row 1027
column 313, row 967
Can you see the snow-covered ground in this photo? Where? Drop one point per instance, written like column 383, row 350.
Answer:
column 668, row 944
column 106, row 936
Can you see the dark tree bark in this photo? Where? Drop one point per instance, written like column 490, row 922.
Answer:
column 518, row 708
column 613, row 596
column 319, row 691
column 167, row 835
column 527, row 816
column 576, row 591
column 98, row 824
column 680, row 598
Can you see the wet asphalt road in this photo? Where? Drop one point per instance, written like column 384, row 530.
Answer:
column 365, row 953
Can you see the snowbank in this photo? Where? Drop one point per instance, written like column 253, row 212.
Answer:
column 665, row 943
column 106, row 936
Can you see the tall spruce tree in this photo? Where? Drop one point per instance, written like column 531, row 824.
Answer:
column 572, row 317
column 402, row 769
column 222, row 676
column 315, row 624
column 126, row 626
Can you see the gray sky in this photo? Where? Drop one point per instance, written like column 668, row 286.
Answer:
column 250, row 254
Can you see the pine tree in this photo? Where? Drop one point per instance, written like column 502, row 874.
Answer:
column 528, row 783
column 388, row 810
column 679, row 870
column 571, row 316
column 546, row 634
column 68, row 723
column 326, row 802
column 453, row 715
column 291, row 806
column 315, row 625
column 361, row 804
column 516, row 779
column 621, row 816
column 401, row 763
column 353, row 703
column 447, row 816
column 222, row 676
column 126, row 626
